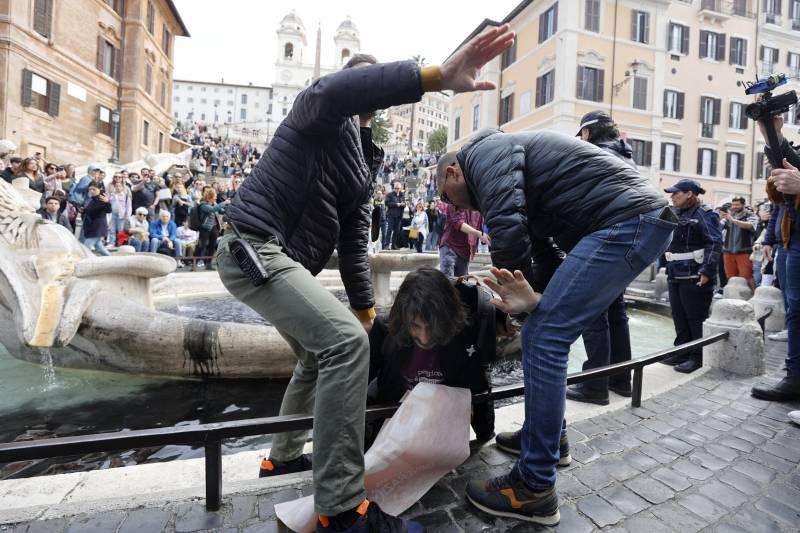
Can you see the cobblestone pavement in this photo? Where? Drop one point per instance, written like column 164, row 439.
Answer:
column 705, row 456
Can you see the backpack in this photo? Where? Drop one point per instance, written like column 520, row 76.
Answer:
column 195, row 224
column 486, row 339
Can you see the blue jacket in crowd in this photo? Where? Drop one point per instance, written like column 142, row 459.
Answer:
column 156, row 230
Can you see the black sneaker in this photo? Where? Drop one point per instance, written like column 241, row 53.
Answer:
column 271, row 467
column 508, row 496
column 370, row 519
column 787, row 389
column 511, row 442
column 581, row 393
column 688, row 366
column 674, row 360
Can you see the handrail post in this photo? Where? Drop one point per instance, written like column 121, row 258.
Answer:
column 213, row 475
column 636, row 393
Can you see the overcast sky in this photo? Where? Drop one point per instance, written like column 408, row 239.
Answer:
column 236, row 39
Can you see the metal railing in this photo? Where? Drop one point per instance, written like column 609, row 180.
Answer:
column 210, row 436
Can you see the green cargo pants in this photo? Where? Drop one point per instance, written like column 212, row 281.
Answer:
column 331, row 375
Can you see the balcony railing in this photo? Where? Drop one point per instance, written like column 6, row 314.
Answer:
column 796, row 24
column 726, row 7
column 772, row 18
column 707, row 131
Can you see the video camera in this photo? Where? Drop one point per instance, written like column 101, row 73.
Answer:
column 769, row 106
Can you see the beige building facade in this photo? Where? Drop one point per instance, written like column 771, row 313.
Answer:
column 429, row 114
column 87, row 80
column 667, row 72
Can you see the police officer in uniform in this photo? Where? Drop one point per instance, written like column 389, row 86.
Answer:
column 692, row 261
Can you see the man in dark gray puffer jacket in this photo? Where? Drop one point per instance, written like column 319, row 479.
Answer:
column 530, row 187
column 311, row 192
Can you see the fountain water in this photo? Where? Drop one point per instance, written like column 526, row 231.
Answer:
column 48, row 369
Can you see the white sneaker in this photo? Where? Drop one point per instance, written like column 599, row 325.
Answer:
column 794, row 416
column 200, row 264
column 782, row 336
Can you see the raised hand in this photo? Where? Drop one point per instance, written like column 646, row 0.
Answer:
column 786, row 179
column 461, row 69
column 515, row 293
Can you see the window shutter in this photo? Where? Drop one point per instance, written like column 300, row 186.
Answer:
column 666, row 93
column 541, row 27
column 743, row 45
column 48, row 18
column 730, row 117
column 634, row 17
column 54, row 93
column 728, row 158
column 97, row 119
column 731, row 57
column 680, row 105
column 699, row 161
column 579, row 87
column 703, row 43
column 648, row 153
column 27, row 83
column 647, row 27
column 600, row 82
column 760, row 167
column 778, row 6
column 677, row 158
column 742, row 119
column 776, row 56
column 121, row 8
column 555, row 18
column 702, row 109
column 538, row 91
column 740, row 167
column 100, row 52
column 685, row 39
column 118, row 64
column 671, row 26
column 713, row 162
column 721, row 47
column 761, row 53
column 663, row 156
column 717, row 110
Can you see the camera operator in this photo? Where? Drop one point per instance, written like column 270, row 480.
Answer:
column 786, row 180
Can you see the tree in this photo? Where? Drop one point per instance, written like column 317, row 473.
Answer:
column 380, row 130
column 437, row 141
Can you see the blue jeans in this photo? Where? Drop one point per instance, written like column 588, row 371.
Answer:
column 594, row 273
column 139, row 246
column 116, row 226
column 95, row 243
column 452, row 265
column 431, row 242
column 791, row 291
column 155, row 244
column 780, row 272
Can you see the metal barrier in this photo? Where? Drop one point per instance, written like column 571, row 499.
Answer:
column 212, row 435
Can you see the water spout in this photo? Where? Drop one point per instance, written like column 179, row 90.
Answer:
column 48, row 369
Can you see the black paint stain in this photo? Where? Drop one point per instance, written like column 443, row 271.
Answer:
column 201, row 346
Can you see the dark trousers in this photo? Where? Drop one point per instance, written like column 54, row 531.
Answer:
column 207, row 244
column 392, row 236
column 690, row 306
column 607, row 340
column 416, row 242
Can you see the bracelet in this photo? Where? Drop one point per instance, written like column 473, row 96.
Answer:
column 366, row 314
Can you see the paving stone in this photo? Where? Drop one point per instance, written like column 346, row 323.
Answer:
column 758, row 472
column 741, row 482
column 650, row 489
column 709, row 461
column 654, row 406
column 588, row 428
column 641, row 412
column 574, row 435
column 735, row 412
column 758, row 429
column 785, row 494
column 619, row 469
column 723, row 452
column 769, row 423
column 795, row 480
column 605, row 445
column 658, row 426
column 723, row 494
column 572, row 521
column 145, row 521
column 678, row 517
column 791, row 455
column 439, row 496
column 583, row 453
column 494, row 456
column 719, row 425
column 267, row 526
column 779, row 510
column 644, row 434
column 625, row 417
column 55, row 525
column 568, row 487
column 243, row 508
column 736, row 443
column 600, row 511
column 593, row 476
column 608, row 422
column 755, row 521
column 729, row 528
column 690, row 437
column 624, row 499
column 193, row 516
column 701, row 506
column 638, row 460
column 772, row 461
column 672, row 420
column 658, row 453
column 671, row 478
column 688, row 416
column 675, row 445
column 99, row 523
column 646, row 522
column 626, row 438
column 439, row 521
column 266, row 502
column 472, row 519
column 705, row 431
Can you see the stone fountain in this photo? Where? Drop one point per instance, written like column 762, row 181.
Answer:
column 97, row 313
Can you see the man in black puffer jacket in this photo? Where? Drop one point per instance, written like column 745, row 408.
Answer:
column 530, row 187
column 311, row 192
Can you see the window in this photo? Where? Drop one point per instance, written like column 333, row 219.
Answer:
column 202, row 116
column 108, row 58
column 772, row 11
column 769, row 58
column 793, row 62
column 163, row 99
column 457, row 128
column 670, row 157
column 740, row 8
column 794, row 12
column 104, row 120
column 177, row 98
column 244, row 99
column 285, row 111
column 640, row 26
column 678, row 38
column 591, row 16
column 116, row 5
column 737, row 119
column 230, row 103
column 525, row 103
column 509, row 56
column 151, row 18
column 712, row 45
column 706, row 162
column 735, row 166
column 145, row 133
column 545, row 85
column 590, row 84
column 203, row 101
column 40, row 93
column 202, row 89
column 243, row 114
column 190, row 100
column 476, row 117
column 761, row 166
column 639, row 92
column 190, row 87
column 160, row 142
column 548, row 23
column 288, row 51
column 506, row 109
column 642, row 152
column 148, row 78
column 166, row 40
column 709, row 114
column 790, row 118
column 43, row 17
column 673, row 104
column 738, row 52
